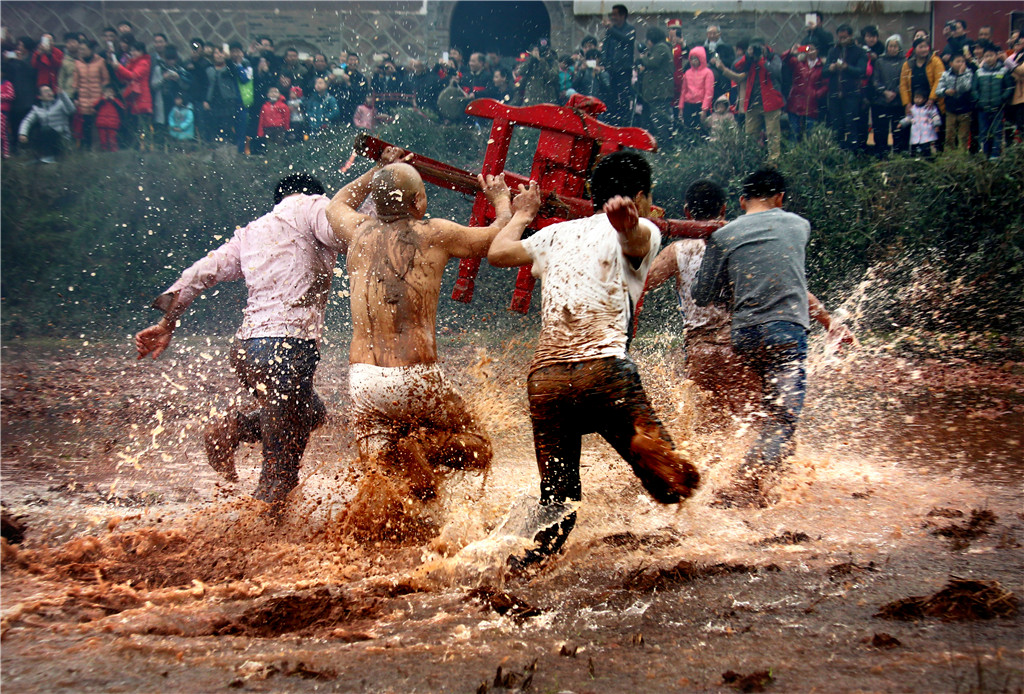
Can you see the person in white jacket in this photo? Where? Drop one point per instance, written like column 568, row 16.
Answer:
column 51, row 116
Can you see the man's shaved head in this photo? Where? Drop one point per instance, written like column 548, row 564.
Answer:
column 395, row 189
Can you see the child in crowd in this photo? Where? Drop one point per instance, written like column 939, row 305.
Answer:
column 993, row 86
column 108, row 119
column 297, row 114
column 366, row 115
column 924, row 121
column 6, row 102
column 181, row 122
column 275, row 117
column 721, row 119
column 955, row 85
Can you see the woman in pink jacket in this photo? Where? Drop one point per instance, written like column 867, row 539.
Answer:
column 698, row 90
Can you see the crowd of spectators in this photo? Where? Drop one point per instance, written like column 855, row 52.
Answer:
column 115, row 91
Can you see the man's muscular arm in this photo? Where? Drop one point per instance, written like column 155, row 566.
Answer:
column 473, row 242
column 341, row 212
column 507, row 249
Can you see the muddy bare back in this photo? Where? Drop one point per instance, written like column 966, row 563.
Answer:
column 395, row 273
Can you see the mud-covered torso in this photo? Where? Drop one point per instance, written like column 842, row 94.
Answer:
column 589, row 289
column 395, row 274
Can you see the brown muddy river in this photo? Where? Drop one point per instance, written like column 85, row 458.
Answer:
column 141, row 571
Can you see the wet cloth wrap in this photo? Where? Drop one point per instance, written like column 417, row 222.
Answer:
column 389, row 403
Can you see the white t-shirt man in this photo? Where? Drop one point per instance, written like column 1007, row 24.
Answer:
column 589, row 289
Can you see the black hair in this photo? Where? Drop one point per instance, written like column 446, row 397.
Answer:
column 28, row 42
column 505, row 72
column 106, row 29
column 235, row 44
column 126, row 23
column 197, row 43
column 71, row 35
column 742, row 45
column 171, row 53
column 592, row 54
column 764, row 183
column 922, row 94
column 844, row 29
column 160, row 34
column 918, row 42
column 297, row 183
column 139, row 46
column 819, row 15
column 869, row 30
column 655, row 35
column 704, row 199
column 588, row 39
column 91, row 45
column 621, row 9
column 961, row 22
column 261, row 39
column 291, row 49
column 989, row 46
column 623, row 173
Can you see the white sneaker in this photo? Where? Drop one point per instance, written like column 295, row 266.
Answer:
column 47, row 160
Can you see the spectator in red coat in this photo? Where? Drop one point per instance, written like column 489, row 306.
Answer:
column 137, row 97
column 809, row 88
column 108, row 119
column 47, row 60
column 275, row 117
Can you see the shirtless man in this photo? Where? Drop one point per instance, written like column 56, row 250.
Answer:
column 711, row 362
column 582, row 380
column 406, row 415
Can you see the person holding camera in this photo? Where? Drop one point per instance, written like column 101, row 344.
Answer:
column 846, row 66
column 808, row 89
column 759, row 74
column 46, row 60
column 715, row 46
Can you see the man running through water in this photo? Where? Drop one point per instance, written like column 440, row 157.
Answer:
column 582, row 380
column 406, row 415
column 711, row 362
column 286, row 258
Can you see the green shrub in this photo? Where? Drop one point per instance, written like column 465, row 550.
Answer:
column 88, row 244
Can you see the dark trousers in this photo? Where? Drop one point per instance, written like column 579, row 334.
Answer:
column 844, row 116
column 46, row 142
column 659, row 119
column 885, row 120
column 281, row 379
column 603, row 396
column 620, row 98
column 990, row 132
column 777, row 352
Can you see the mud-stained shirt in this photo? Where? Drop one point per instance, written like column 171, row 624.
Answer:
column 589, row 289
column 287, row 258
column 710, row 318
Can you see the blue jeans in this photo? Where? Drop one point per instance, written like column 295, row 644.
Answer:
column 777, row 352
column 279, row 372
column 800, row 126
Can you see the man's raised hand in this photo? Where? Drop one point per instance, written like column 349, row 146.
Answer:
column 527, row 200
column 622, row 214
column 494, row 187
column 392, row 155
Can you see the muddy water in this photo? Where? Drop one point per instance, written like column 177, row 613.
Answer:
column 140, row 571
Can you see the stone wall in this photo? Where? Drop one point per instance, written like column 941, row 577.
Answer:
column 407, row 28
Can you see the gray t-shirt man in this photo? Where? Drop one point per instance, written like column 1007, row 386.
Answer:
column 759, row 259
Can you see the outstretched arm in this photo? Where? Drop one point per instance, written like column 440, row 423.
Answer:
column 507, row 249
column 836, row 329
column 664, row 266
column 474, row 242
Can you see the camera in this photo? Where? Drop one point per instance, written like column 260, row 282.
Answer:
column 757, row 50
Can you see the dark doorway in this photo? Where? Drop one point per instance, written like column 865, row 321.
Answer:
column 509, row 27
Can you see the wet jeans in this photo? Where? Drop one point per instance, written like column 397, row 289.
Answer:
column 568, row 400
column 279, row 372
column 777, row 352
